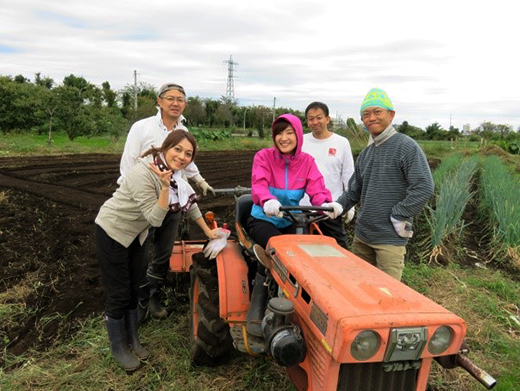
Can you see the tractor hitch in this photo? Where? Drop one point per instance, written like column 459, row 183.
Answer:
column 460, row 360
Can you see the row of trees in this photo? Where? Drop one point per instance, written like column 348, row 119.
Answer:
column 75, row 106
column 486, row 130
column 80, row 108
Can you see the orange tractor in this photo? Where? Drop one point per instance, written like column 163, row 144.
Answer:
column 333, row 320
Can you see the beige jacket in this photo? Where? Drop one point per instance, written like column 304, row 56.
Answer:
column 133, row 208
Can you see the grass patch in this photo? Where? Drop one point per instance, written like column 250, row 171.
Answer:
column 21, row 291
column 439, row 149
column 34, row 144
column 235, row 143
column 85, row 363
column 4, row 199
column 487, row 300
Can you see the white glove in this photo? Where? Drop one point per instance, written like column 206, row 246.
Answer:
column 403, row 228
column 272, row 208
column 205, row 187
column 215, row 246
column 349, row 216
column 337, row 209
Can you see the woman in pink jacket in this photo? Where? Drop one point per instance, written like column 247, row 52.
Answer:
column 281, row 176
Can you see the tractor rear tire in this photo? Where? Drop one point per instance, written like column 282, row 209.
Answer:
column 211, row 342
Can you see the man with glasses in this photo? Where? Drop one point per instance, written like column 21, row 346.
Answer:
column 334, row 159
column 143, row 134
column 391, row 184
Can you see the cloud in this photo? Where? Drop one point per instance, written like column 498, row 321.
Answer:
column 448, row 63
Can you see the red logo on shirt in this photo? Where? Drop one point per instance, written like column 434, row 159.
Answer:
column 332, row 151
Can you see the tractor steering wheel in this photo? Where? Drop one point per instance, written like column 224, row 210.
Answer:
column 302, row 215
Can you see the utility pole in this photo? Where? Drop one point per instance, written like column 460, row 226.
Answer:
column 230, row 90
column 274, row 107
column 135, row 90
column 245, row 111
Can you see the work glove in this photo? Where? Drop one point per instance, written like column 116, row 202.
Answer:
column 272, row 208
column 403, row 228
column 205, row 187
column 215, row 246
column 349, row 216
column 337, row 209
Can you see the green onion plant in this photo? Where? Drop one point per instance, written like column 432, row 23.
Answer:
column 453, row 182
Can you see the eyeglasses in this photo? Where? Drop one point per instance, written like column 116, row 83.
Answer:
column 172, row 99
column 376, row 112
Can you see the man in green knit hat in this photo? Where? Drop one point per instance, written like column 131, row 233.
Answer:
column 391, row 184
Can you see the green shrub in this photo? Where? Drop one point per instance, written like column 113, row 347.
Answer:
column 510, row 146
column 208, row 134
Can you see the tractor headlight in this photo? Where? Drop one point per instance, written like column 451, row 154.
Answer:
column 365, row 345
column 441, row 340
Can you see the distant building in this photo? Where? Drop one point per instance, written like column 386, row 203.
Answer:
column 466, row 129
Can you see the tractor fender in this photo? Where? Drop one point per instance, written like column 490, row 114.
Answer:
column 233, row 286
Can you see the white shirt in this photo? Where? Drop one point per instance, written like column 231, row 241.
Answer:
column 142, row 136
column 334, row 159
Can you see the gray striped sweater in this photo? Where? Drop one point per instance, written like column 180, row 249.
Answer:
column 391, row 178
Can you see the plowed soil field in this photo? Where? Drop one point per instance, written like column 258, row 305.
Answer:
column 47, row 209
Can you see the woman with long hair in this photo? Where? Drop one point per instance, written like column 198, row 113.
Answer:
column 152, row 188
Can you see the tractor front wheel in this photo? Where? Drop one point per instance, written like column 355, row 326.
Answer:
column 211, row 342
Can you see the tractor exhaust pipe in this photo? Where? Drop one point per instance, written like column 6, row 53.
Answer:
column 474, row 370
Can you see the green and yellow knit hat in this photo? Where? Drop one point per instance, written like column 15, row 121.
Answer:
column 376, row 98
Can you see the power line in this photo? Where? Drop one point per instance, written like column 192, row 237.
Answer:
column 230, row 90
column 135, row 90
column 274, row 108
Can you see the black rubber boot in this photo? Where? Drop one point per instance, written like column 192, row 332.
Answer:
column 132, row 335
column 256, row 310
column 142, row 312
column 155, row 309
column 144, row 299
column 118, row 347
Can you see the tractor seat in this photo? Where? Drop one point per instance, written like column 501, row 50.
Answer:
column 243, row 207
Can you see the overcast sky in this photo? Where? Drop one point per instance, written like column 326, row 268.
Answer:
column 439, row 61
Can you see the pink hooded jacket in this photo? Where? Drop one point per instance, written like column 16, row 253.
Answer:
column 286, row 177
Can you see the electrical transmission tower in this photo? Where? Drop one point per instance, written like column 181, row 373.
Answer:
column 230, row 90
